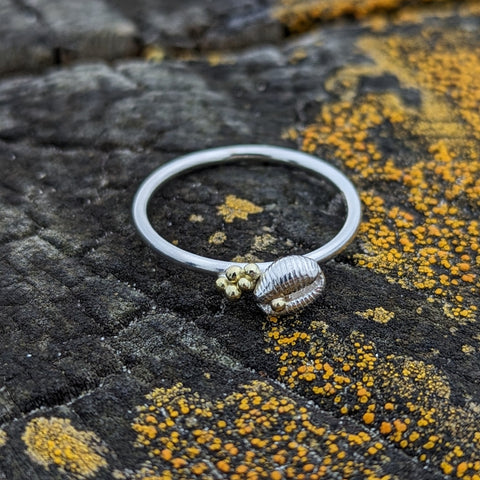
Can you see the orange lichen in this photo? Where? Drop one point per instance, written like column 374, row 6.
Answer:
column 3, row 438
column 429, row 241
column 385, row 428
column 406, row 401
column 251, row 433
column 235, row 207
column 55, row 441
column 368, row 417
column 154, row 53
column 418, row 168
column 300, row 15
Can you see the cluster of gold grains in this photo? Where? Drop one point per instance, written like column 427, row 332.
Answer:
column 236, row 280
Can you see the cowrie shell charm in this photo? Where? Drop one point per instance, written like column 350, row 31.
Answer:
column 288, row 285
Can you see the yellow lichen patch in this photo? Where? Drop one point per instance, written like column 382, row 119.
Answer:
column 252, row 433
column 379, row 314
column 468, row 349
column 262, row 243
column 220, row 58
column 235, row 207
column 56, row 442
column 154, row 53
column 3, row 437
column 405, row 401
column 300, row 15
column 247, row 258
column 217, row 238
column 298, row 55
column 426, row 235
column 446, row 70
column 195, row 218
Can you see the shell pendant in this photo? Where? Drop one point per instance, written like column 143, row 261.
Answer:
column 287, row 285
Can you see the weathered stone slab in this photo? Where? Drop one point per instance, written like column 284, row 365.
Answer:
column 119, row 364
column 195, row 25
column 88, row 29
column 24, row 43
column 39, row 33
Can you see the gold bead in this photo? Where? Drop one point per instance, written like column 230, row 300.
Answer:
column 233, row 273
column 245, row 284
column 278, row 304
column 232, row 292
column 252, row 271
column 221, row 283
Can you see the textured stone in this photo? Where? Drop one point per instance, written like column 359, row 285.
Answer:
column 127, row 351
column 24, row 40
column 38, row 33
column 203, row 25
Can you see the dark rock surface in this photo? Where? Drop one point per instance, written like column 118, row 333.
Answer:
column 36, row 34
column 378, row 379
column 203, row 25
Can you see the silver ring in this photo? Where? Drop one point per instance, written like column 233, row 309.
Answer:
column 301, row 268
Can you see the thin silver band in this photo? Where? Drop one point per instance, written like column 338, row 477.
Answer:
column 257, row 153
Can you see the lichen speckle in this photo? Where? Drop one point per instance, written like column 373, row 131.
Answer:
column 56, row 442
column 378, row 314
column 217, row 238
column 252, row 433
column 468, row 349
column 154, row 53
column 235, row 207
column 300, row 15
column 247, row 258
column 3, row 438
column 194, row 218
column 406, row 401
column 426, row 235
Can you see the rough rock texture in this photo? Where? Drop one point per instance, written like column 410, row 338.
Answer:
column 38, row 33
column 119, row 364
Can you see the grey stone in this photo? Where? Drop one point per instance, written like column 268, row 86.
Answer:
column 92, row 320
column 203, row 25
column 24, row 43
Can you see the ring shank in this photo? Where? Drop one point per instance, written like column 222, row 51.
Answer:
column 222, row 155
